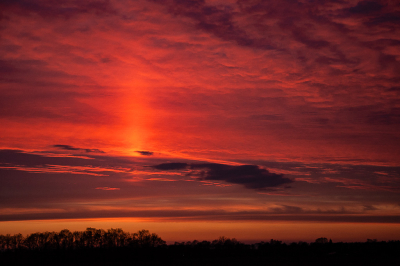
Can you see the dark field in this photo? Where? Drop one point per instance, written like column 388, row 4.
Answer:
column 377, row 253
column 116, row 247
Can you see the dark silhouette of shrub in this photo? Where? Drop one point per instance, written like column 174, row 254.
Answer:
column 321, row 240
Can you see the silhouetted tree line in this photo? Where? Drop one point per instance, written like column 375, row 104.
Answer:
column 90, row 238
column 114, row 246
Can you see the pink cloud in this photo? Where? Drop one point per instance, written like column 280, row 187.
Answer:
column 108, row 188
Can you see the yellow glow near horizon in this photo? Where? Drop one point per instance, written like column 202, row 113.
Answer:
column 249, row 232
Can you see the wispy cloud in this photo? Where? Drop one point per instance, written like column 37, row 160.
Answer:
column 108, row 188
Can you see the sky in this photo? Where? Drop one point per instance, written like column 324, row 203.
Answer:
column 194, row 119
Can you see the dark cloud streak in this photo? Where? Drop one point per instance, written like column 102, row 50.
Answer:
column 184, row 215
column 250, row 176
column 170, row 166
column 145, row 153
column 70, row 148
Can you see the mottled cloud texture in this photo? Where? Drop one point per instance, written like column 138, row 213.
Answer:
column 208, row 110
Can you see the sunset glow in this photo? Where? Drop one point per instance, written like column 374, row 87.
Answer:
column 195, row 119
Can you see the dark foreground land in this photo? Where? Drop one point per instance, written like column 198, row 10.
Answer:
column 116, row 247
column 378, row 253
